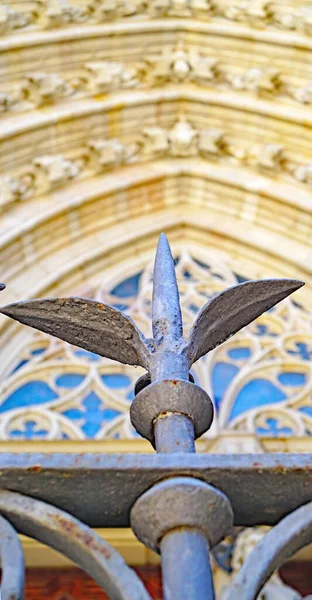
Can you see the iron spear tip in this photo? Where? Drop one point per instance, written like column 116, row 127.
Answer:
column 166, row 317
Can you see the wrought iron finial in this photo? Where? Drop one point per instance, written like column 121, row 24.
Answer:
column 167, row 316
column 105, row 330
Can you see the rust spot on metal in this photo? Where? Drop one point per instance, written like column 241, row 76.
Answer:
column 87, row 539
column 35, row 468
column 174, row 381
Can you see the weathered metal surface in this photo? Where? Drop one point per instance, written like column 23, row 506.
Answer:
column 290, row 535
column 101, row 489
column 175, row 396
column 174, row 433
column 193, row 579
column 166, row 393
column 94, row 326
column 12, row 563
column 166, row 311
column 233, row 309
column 181, row 502
column 66, row 534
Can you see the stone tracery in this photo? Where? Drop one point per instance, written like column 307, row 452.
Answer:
column 260, row 381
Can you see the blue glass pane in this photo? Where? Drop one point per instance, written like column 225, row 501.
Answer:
column 127, row 288
column 273, row 429
column 222, row 375
column 256, row 393
column 29, row 431
column 188, row 275
column 20, row 365
column 37, row 351
column 116, row 380
column 194, row 308
column 239, row 353
column 292, row 379
column 201, row 264
column 92, row 403
column 87, row 355
column 69, row 380
column 303, row 351
column 240, row 279
column 110, row 413
column 307, row 410
column 73, row 413
column 34, row 392
column 130, row 396
column 121, row 307
column 264, row 330
column 91, row 428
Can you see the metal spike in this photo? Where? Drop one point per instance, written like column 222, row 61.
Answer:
column 167, row 317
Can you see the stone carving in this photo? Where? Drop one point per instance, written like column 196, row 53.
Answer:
column 106, row 154
column 109, row 10
column 172, row 65
column 256, row 14
column 212, row 142
column 257, row 80
column 54, row 170
column 16, row 189
column 61, row 12
column 303, row 173
column 303, row 94
column 179, row 64
column 5, row 101
column 181, row 8
column 11, row 19
column 269, row 156
column 154, row 142
column 105, row 76
column 183, row 139
column 275, row 588
column 43, row 88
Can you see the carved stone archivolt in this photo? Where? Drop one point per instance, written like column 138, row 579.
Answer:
column 50, row 14
column 183, row 140
column 177, row 64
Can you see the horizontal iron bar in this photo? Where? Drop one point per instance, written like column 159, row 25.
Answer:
column 100, row 489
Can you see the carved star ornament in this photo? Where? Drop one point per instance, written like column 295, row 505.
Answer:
column 105, row 330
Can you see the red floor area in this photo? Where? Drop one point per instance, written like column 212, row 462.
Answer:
column 73, row 584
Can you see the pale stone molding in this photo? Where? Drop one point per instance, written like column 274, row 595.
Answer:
column 183, row 140
column 177, row 64
column 49, row 14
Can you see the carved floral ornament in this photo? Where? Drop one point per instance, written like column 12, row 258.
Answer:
column 58, row 391
column 48, row 14
column 183, row 140
column 174, row 65
column 275, row 588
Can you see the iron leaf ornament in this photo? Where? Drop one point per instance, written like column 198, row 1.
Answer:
column 105, row 330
